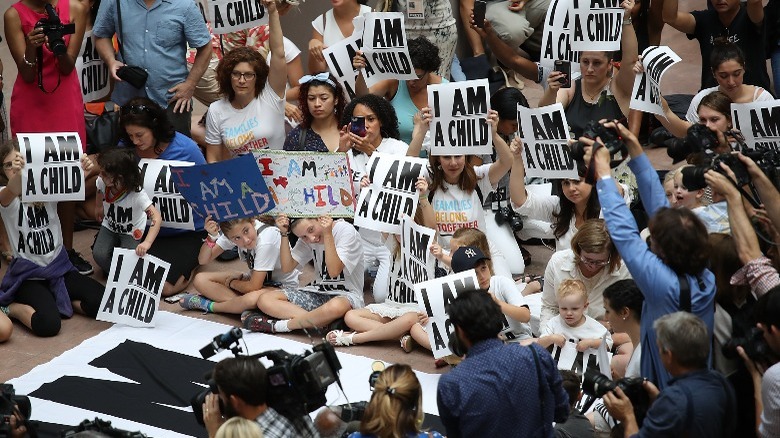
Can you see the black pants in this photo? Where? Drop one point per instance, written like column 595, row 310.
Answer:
column 46, row 319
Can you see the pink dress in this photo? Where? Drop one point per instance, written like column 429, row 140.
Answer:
column 32, row 110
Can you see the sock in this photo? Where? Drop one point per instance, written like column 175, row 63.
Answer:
column 281, row 326
column 210, row 306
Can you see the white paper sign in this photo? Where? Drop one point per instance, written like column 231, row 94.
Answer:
column 92, row 71
column 133, row 290
column 339, row 57
column 433, row 296
column 545, row 134
column 231, row 16
column 416, row 264
column 556, row 39
column 459, row 125
column 646, row 95
column 160, row 184
column 597, row 25
column 568, row 358
column 385, row 48
column 52, row 169
column 759, row 123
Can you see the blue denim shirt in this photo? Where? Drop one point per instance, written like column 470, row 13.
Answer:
column 155, row 39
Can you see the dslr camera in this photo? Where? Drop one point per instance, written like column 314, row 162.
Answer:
column 55, row 31
column 699, row 138
column 693, row 177
column 610, row 138
column 9, row 404
column 506, row 215
column 753, row 343
column 597, row 385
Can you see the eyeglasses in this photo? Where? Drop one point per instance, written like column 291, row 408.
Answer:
column 237, row 75
column 135, row 109
column 593, row 263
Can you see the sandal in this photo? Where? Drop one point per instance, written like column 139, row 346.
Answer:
column 408, row 344
column 340, row 338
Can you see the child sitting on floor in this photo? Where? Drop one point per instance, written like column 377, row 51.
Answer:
column 572, row 323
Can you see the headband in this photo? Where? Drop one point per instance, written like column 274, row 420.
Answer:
column 322, row 77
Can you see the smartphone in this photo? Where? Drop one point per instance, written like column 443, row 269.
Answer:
column 565, row 68
column 480, row 6
column 358, row 126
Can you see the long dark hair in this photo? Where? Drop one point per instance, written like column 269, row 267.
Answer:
column 335, row 88
column 383, row 110
column 562, row 219
column 143, row 112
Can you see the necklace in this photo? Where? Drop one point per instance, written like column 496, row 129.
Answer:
column 593, row 97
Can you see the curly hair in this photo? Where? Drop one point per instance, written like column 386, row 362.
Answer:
column 383, row 110
column 335, row 89
column 143, row 112
column 625, row 294
column 593, row 237
column 562, row 219
column 120, row 164
column 395, row 408
column 680, row 239
column 424, row 54
column 235, row 57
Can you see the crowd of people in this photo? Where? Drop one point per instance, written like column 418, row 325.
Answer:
column 676, row 277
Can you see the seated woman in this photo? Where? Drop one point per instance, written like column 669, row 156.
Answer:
column 331, row 27
column 41, row 286
column 322, row 107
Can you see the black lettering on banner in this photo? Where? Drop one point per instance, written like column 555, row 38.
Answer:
column 426, row 302
column 406, row 180
column 418, row 245
column 640, row 91
column 388, row 33
column 529, row 157
column 151, row 280
column 552, row 156
column 550, row 126
column 767, row 124
column 656, row 66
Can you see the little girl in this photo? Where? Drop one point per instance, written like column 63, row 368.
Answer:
column 41, row 283
column 123, row 206
column 258, row 243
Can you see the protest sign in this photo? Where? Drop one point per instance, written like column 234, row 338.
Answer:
column 759, row 123
column 392, row 192
column 418, row 265
column 556, row 39
column 339, row 57
column 52, row 169
column 226, row 190
column 93, row 72
column 459, row 125
column 646, row 95
column 385, row 48
column 433, row 296
column 568, row 358
column 228, row 16
column 596, row 25
column 545, row 135
column 133, row 290
column 308, row 184
column 160, row 185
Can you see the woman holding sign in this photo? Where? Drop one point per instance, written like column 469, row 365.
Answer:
column 332, row 27
column 41, row 284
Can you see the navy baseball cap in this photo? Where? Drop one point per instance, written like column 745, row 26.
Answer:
column 467, row 257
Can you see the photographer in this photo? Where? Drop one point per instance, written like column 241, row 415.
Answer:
column 696, row 403
column 242, row 384
column 676, row 257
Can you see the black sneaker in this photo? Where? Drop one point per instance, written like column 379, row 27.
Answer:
column 228, row 255
column 81, row 265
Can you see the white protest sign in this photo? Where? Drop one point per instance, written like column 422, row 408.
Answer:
column 759, row 123
column 459, row 125
column 133, row 290
column 597, row 25
column 556, row 39
column 568, row 358
column 385, row 48
column 416, row 264
column 545, row 134
column 604, row 357
column 92, row 71
column 52, row 169
column 339, row 57
column 392, row 192
column 203, row 7
column 646, row 95
column 228, row 16
column 433, row 296
column 160, row 184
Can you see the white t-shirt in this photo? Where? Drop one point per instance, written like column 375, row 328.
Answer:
column 349, row 249
column 591, row 329
column 759, row 95
column 455, row 208
column 265, row 255
column 326, row 25
column 291, row 51
column 506, row 291
column 633, row 369
column 259, row 125
column 126, row 215
column 34, row 231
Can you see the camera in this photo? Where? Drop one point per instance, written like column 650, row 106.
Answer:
column 753, row 343
column 9, row 404
column 693, row 177
column 699, row 138
column 101, row 427
column 296, row 382
column 610, row 138
column 597, row 385
column 55, row 30
column 506, row 215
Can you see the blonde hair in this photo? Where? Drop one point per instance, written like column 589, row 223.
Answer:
column 571, row 287
column 395, row 408
column 239, row 427
column 473, row 237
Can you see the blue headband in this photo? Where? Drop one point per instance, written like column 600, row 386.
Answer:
column 322, row 77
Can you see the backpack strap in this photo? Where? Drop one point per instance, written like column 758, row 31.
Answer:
column 685, row 293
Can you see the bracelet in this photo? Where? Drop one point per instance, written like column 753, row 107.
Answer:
column 287, row 234
column 210, row 243
column 29, row 64
column 628, row 21
column 213, row 238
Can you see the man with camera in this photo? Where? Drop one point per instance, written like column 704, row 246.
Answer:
column 243, row 388
column 696, row 403
column 500, row 389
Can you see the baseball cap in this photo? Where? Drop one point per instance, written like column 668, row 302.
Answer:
column 466, row 257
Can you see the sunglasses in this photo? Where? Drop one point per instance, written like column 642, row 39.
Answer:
column 136, row 109
column 594, row 263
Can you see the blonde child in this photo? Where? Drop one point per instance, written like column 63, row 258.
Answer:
column 572, row 324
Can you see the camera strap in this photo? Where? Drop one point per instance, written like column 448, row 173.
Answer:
column 39, row 56
column 542, row 392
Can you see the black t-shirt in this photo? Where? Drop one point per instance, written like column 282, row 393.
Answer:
column 744, row 33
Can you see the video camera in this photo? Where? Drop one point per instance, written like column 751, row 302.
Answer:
column 10, row 403
column 597, row 385
column 55, row 31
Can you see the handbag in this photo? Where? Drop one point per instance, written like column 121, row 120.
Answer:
column 102, row 130
column 133, row 75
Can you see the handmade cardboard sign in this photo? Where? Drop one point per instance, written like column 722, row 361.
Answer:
column 433, row 296
column 226, row 190
column 230, row 15
column 597, row 25
column 93, row 72
column 160, row 184
column 52, row 169
column 133, row 290
column 391, row 194
column 646, row 95
column 308, row 184
column 545, row 135
column 759, row 123
column 385, row 48
column 339, row 57
column 459, row 125
column 556, row 39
